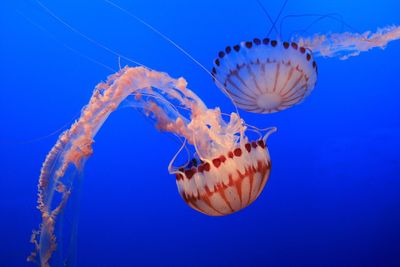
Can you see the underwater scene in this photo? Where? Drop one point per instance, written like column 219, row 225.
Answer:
column 200, row 133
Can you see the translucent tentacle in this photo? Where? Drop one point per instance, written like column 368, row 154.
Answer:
column 347, row 44
column 171, row 163
column 91, row 40
column 174, row 44
column 270, row 130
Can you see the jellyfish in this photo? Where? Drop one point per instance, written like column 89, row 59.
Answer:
column 228, row 173
column 266, row 76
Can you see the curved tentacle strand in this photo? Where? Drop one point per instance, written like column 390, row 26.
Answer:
column 157, row 96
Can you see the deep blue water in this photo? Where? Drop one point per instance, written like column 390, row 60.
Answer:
column 333, row 198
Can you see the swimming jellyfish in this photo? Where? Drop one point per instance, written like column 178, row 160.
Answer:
column 231, row 173
column 266, row 76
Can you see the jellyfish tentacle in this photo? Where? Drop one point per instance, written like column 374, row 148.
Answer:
column 170, row 165
column 277, row 17
column 86, row 37
column 65, row 45
column 268, row 15
column 333, row 16
column 348, row 44
column 174, row 44
column 270, row 131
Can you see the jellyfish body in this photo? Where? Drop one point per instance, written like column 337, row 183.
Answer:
column 233, row 173
column 229, row 182
column 265, row 76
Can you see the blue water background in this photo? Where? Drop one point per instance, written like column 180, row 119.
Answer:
column 333, row 198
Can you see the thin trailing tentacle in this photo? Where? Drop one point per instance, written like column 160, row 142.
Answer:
column 277, row 17
column 91, row 40
column 173, row 43
column 268, row 16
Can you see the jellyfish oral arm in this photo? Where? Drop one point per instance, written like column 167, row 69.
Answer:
column 345, row 45
column 150, row 92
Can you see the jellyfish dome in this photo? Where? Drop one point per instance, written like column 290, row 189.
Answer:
column 265, row 76
column 228, row 182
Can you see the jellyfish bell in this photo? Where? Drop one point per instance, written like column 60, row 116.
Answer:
column 265, row 76
column 227, row 183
